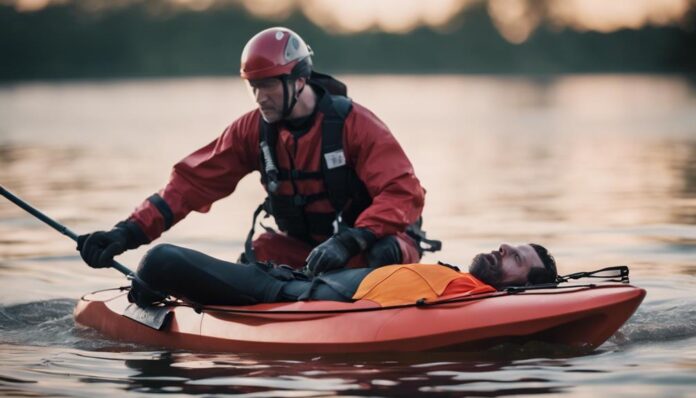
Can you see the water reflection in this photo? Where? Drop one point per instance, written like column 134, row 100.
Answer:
column 427, row 374
column 393, row 375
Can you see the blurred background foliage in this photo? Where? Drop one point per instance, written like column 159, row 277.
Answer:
column 44, row 39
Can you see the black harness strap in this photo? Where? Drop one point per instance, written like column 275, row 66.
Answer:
column 334, row 163
column 423, row 244
column 248, row 243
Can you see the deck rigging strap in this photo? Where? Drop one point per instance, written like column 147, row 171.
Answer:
column 617, row 273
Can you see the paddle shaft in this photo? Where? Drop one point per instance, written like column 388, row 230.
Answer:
column 55, row 225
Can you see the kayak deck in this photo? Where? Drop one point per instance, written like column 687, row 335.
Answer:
column 580, row 317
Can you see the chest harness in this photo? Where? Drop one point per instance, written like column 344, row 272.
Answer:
column 342, row 187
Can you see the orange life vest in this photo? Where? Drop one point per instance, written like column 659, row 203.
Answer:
column 404, row 284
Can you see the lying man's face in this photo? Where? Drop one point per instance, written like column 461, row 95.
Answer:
column 508, row 266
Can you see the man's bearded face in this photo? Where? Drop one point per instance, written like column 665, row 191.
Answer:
column 487, row 268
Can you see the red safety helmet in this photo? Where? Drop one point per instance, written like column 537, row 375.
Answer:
column 276, row 52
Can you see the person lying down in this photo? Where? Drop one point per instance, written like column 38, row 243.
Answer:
column 190, row 275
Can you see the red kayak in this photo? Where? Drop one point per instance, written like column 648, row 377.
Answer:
column 583, row 316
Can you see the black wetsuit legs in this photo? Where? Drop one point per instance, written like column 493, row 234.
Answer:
column 203, row 279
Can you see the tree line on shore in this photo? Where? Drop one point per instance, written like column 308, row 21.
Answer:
column 66, row 41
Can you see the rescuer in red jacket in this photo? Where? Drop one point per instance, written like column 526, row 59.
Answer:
column 339, row 185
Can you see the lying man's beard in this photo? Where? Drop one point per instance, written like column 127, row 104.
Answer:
column 485, row 271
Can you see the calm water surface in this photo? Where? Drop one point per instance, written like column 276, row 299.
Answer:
column 600, row 169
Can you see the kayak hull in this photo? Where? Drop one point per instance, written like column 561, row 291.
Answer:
column 580, row 317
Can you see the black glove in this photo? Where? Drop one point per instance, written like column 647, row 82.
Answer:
column 335, row 252
column 99, row 248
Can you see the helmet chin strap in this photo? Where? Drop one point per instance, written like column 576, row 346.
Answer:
column 289, row 101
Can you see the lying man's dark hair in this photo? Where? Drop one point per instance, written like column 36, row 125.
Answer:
column 547, row 274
